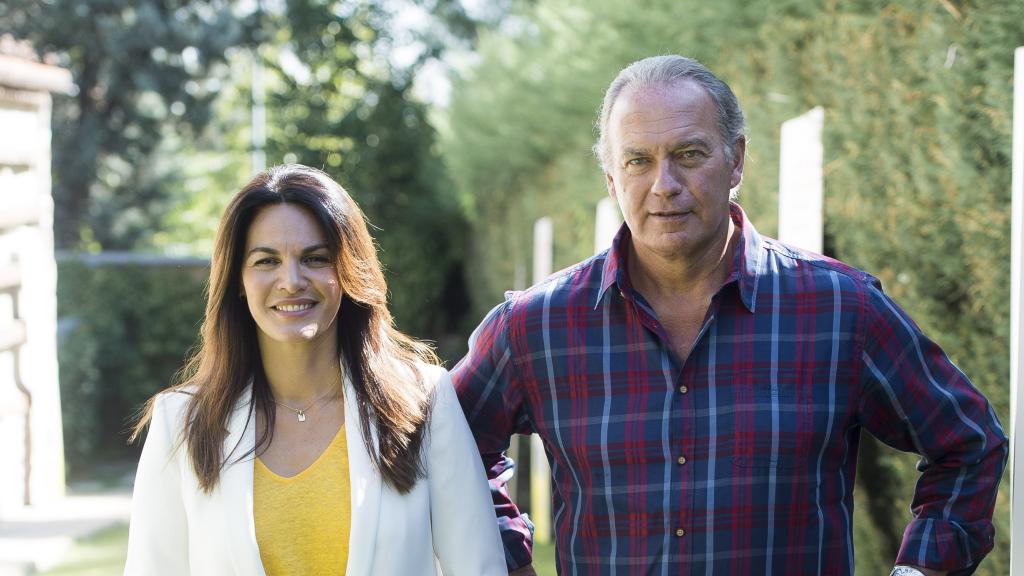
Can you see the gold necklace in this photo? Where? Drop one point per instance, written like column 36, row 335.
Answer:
column 301, row 413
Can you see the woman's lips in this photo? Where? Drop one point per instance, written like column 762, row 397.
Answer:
column 293, row 308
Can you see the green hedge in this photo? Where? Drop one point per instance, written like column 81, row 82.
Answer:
column 125, row 332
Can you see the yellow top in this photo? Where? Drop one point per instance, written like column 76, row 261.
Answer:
column 302, row 522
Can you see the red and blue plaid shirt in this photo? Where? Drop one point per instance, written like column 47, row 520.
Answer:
column 739, row 460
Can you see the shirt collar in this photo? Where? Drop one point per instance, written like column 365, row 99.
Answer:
column 746, row 268
column 614, row 270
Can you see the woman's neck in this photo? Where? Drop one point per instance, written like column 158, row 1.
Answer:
column 300, row 372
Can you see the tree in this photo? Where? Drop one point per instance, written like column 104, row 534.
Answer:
column 141, row 68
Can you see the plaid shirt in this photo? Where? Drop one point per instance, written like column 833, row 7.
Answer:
column 739, row 460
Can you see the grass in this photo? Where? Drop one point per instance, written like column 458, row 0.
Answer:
column 99, row 555
column 544, row 559
column 103, row 555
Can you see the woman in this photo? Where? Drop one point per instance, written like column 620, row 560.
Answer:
column 307, row 435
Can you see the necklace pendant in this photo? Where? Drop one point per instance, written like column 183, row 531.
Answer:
column 302, row 416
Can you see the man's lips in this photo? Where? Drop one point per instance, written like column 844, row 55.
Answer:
column 669, row 214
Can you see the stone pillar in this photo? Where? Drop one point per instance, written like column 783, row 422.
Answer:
column 31, row 442
column 800, row 181
column 1017, row 323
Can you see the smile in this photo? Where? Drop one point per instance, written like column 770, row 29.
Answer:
column 294, row 307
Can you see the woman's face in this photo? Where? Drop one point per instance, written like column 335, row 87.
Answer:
column 289, row 278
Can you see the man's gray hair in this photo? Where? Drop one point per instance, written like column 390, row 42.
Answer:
column 664, row 70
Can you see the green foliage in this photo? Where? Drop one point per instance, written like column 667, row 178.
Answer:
column 129, row 328
column 205, row 171
column 917, row 97
column 140, row 68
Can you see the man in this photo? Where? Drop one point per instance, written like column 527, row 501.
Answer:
column 700, row 388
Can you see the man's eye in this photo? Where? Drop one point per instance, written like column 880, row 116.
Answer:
column 691, row 154
column 636, row 161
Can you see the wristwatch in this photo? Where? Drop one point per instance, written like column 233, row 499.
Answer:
column 905, row 571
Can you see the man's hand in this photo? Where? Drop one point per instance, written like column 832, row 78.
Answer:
column 524, row 571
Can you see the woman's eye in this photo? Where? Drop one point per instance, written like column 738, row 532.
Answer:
column 263, row 262
column 318, row 260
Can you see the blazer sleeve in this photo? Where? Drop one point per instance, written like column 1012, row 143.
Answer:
column 466, row 539
column 158, row 531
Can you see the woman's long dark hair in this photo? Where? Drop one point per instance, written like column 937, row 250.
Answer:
column 380, row 359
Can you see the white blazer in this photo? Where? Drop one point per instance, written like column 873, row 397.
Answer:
column 445, row 523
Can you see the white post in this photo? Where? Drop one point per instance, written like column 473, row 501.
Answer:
column 543, row 247
column 1017, row 322
column 519, row 277
column 800, row 181
column 540, row 473
column 606, row 224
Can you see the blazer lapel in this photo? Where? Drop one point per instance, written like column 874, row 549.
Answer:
column 366, row 490
column 236, row 488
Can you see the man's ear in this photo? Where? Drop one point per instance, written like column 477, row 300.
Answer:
column 610, row 183
column 739, row 156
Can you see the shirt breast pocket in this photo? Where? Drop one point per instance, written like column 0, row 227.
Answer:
column 772, row 428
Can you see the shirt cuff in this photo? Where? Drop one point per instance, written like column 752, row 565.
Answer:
column 945, row 545
column 517, row 538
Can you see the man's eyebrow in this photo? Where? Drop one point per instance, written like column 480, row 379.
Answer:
column 692, row 142
column 631, row 152
column 695, row 142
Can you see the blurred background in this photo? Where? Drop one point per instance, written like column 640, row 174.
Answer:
column 456, row 124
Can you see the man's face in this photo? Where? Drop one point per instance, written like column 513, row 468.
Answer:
column 669, row 170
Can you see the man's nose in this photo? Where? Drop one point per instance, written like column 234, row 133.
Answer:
column 669, row 181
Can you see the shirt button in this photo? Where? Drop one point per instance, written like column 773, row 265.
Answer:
column 680, row 532
column 683, row 389
column 681, row 459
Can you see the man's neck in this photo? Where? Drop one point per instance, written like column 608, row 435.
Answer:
column 696, row 275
